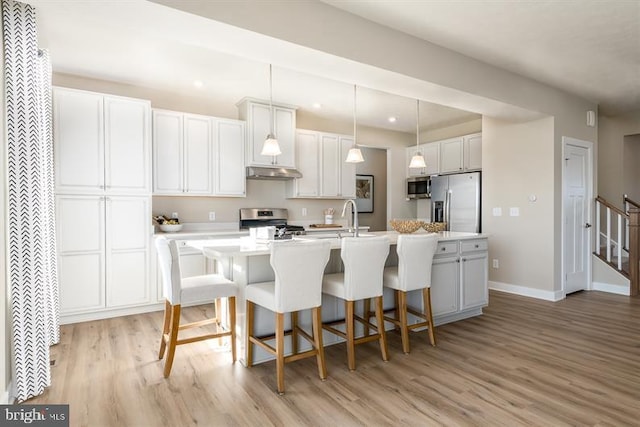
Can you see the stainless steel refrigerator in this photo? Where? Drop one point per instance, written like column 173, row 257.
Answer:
column 455, row 199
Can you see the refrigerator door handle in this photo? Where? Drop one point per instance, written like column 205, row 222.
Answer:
column 447, row 212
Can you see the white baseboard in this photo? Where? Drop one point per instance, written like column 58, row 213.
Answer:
column 608, row 287
column 526, row 292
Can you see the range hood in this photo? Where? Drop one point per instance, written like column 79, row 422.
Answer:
column 255, row 172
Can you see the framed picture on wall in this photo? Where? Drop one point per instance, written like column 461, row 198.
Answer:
column 364, row 193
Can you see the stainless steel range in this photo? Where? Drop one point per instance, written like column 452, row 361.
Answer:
column 265, row 217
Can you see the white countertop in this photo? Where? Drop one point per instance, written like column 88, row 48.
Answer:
column 244, row 246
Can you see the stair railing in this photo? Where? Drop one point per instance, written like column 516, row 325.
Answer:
column 630, row 217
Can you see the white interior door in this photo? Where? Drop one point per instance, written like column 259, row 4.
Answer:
column 577, row 195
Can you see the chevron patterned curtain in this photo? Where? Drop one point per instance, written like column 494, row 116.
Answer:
column 31, row 229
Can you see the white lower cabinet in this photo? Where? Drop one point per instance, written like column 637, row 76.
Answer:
column 445, row 285
column 473, row 276
column 103, row 252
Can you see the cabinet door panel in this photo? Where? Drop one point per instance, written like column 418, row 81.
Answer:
column 444, row 285
column 474, row 280
column 78, row 134
column 260, row 126
column 167, row 152
column 127, row 145
column 330, row 165
column 285, row 132
column 451, row 156
column 197, row 153
column 308, row 164
column 431, row 153
column 347, row 170
column 230, row 170
column 80, row 223
column 128, row 223
column 473, row 152
column 82, row 282
column 127, row 281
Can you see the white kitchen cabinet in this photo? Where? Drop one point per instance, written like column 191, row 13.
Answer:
column 102, row 252
column 181, row 153
column 197, row 155
column 257, row 114
column 197, row 170
column 451, row 152
column 308, row 161
column 472, row 152
column 102, row 143
column 445, row 285
column 321, row 161
column 431, row 153
column 474, row 274
column 229, row 177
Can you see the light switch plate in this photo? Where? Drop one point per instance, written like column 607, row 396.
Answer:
column 497, row 211
column 514, row 211
column 212, row 216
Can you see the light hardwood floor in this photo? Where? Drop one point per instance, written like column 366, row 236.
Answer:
column 524, row 362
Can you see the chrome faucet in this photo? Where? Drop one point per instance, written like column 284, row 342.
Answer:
column 355, row 216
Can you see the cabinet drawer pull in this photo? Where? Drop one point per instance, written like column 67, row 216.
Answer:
column 444, row 249
column 477, row 246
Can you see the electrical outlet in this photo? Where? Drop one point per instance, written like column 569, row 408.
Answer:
column 174, row 214
column 496, row 264
column 212, row 216
column 497, row 211
column 514, row 211
column 304, row 211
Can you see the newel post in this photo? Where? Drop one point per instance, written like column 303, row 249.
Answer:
column 634, row 250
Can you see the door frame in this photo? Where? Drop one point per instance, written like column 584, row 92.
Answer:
column 588, row 145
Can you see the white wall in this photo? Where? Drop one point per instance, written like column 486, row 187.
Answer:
column 518, row 162
column 631, row 167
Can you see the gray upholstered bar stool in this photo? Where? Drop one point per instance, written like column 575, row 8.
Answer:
column 298, row 267
column 415, row 256
column 178, row 291
column 363, row 259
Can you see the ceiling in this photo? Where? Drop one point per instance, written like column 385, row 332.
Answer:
column 589, row 50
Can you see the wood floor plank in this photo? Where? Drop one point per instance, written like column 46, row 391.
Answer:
column 525, row 362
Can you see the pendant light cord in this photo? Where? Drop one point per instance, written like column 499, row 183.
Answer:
column 418, row 124
column 354, row 115
column 271, row 98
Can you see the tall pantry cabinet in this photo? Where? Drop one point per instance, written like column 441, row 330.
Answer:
column 102, row 146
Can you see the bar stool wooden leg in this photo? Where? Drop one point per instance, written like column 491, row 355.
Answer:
column 165, row 328
column 366, row 304
column 249, row 334
column 351, row 347
column 404, row 327
column 294, row 332
column 426, row 295
column 173, row 338
column 396, row 305
column 383, row 335
column 280, row 351
column 218, row 307
column 231, row 301
column 317, row 335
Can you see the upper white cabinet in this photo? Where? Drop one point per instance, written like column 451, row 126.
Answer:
column 197, row 155
column 229, row 177
column 431, row 153
column 472, row 152
column 102, row 143
column 320, row 159
column 454, row 155
column 451, row 155
column 257, row 114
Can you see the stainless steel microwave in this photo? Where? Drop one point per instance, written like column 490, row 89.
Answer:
column 418, row 187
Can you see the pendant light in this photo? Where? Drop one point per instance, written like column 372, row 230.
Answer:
column 417, row 161
column 354, row 155
column 271, row 146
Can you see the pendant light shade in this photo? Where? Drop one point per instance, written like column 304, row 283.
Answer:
column 354, row 155
column 271, row 146
column 417, row 161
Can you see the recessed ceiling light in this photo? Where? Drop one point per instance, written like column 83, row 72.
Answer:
column 392, row 119
column 198, row 83
column 317, row 105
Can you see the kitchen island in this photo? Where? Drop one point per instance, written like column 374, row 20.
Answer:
column 458, row 286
